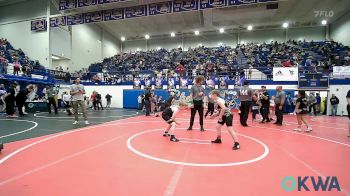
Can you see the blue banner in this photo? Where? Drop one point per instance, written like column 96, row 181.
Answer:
column 75, row 19
column 205, row 4
column 137, row 11
column 67, row 4
column 93, row 17
column 38, row 25
column 185, row 5
column 109, row 1
column 114, row 14
column 83, row 3
column 266, row 1
column 160, row 8
column 241, row 2
column 58, row 21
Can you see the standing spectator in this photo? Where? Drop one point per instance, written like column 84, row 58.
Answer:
column 245, row 95
column 10, row 101
column 99, row 101
column 280, row 99
column 66, row 98
column 325, row 106
column 288, row 102
column 16, row 67
column 265, row 104
column 148, row 97
column 334, row 104
column 22, row 97
column 50, row 95
column 197, row 94
column 108, row 99
column 250, row 72
column 255, row 105
column 312, row 103
column 140, row 101
column 2, row 98
column 77, row 91
column 318, row 103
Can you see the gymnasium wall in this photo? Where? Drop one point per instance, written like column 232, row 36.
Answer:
column 15, row 27
column 339, row 30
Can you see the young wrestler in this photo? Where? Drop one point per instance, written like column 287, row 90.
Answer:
column 169, row 115
column 225, row 117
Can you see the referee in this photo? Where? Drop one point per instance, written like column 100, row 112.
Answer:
column 280, row 98
column 197, row 95
column 245, row 95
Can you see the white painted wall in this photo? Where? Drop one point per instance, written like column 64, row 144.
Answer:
column 339, row 30
column 60, row 42
column 91, row 44
column 340, row 91
column 23, row 11
column 34, row 44
column 308, row 33
column 115, row 91
column 15, row 27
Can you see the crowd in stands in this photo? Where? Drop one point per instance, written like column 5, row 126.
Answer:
column 310, row 57
column 21, row 63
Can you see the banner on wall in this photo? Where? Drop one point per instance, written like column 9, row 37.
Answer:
column 285, row 74
column 109, row 1
column 83, row 3
column 223, row 82
column 183, row 83
column 210, row 83
column 231, row 98
column 38, row 25
column 160, row 8
column 137, row 11
column 58, row 21
column 205, row 4
column 67, row 4
column 114, row 14
column 158, row 84
column 185, row 5
column 137, row 83
column 171, row 83
column 75, row 19
column 241, row 2
column 93, row 17
column 341, row 72
column 147, row 83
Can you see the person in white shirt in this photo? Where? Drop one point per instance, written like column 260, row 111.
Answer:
column 225, row 117
column 66, row 98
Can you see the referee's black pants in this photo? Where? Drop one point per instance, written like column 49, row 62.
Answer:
column 197, row 106
column 245, row 107
column 279, row 114
column 264, row 110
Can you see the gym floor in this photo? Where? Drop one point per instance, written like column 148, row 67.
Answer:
column 124, row 153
